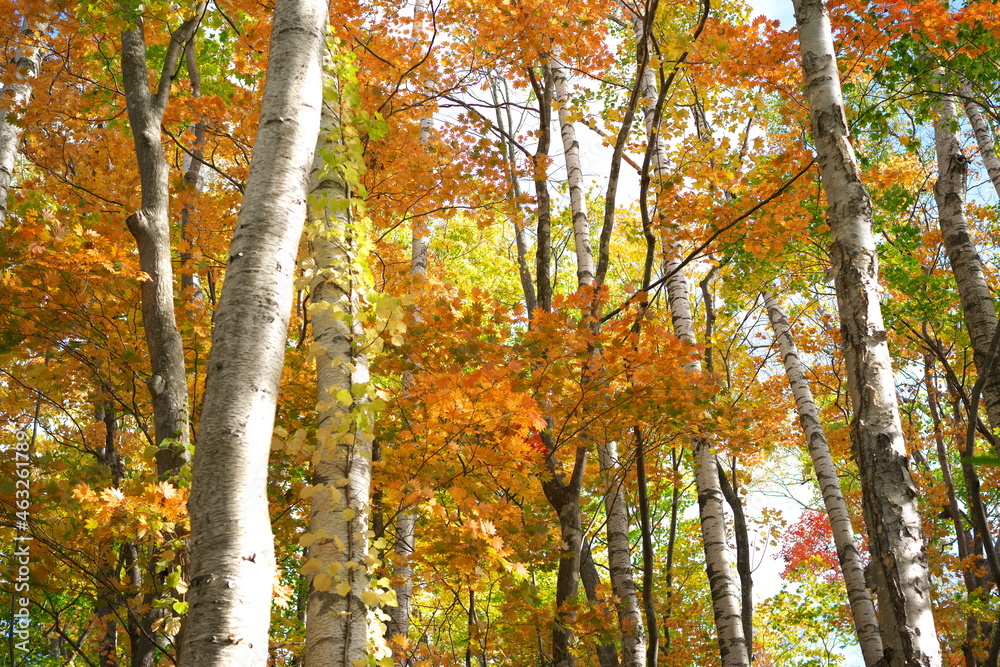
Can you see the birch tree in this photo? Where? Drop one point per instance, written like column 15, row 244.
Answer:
column 889, row 495
column 978, row 308
column 719, row 561
column 232, row 551
column 612, row 473
column 337, row 615
column 28, row 61
column 862, row 607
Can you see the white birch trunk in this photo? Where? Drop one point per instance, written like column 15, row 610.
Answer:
column 28, row 61
column 630, row 621
column 231, row 544
column 862, row 607
column 984, row 136
column 574, row 175
column 889, row 495
column 616, row 509
column 978, row 307
column 337, row 616
column 720, row 565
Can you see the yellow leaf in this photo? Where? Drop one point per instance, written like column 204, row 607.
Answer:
column 322, row 581
column 369, row 597
column 343, row 589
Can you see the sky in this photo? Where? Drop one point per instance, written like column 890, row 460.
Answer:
column 774, row 9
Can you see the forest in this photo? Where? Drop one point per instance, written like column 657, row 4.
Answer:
column 588, row 333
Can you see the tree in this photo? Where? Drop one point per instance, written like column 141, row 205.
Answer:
column 232, row 553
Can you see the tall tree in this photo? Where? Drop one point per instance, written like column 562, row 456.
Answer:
column 337, row 614
column 889, row 494
column 862, row 607
column 232, row 550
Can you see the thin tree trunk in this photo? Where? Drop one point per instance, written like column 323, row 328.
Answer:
column 28, row 61
column 984, row 135
column 564, row 497
column 616, row 510
column 231, row 544
column 193, row 183
column 889, row 495
column 648, row 564
column 150, row 226
column 978, row 308
column 337, row 616
column 620, row 557
column 743, row 567
column 862, row 608
column 107, row 646
column 719, row 563
column 574, row 175
column 954, row 511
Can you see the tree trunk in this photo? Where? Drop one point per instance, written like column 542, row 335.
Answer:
column 150, row 226
column 28, row 61
column 564, row 497
column 889, row 495
column 862, row 608
column 978, row 308
column 194, row 182
column 719, row 563
column 743, row 566
column 616, row 510
column 337, row 616
column 231, row 544
column 984, row 136
column 574, row 175
column 620, row 557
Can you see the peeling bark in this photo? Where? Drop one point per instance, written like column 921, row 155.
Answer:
column 889, row 495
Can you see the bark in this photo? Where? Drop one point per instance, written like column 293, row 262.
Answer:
column 978, row 308
column 28, row 61
column 719, row 563
column 543, row 250
column 399, row 616
column 150, row 226
column 648, row 564
column 984, row 135
column 953, row 509
column 889, row 495
column 564, row 497
column 514, row 193
column 231, row 544
column 616, row 510
column 574, row 175
column 193, row 183
column 620, row 557
column 107, row 602
column 862, row 608
column 718, row 558
column 337, row 623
